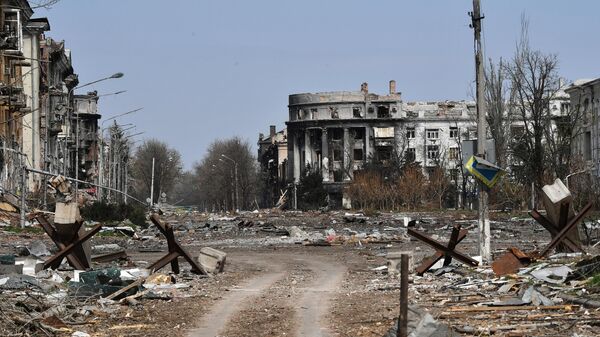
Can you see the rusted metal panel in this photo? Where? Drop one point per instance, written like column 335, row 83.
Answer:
column 510, row 262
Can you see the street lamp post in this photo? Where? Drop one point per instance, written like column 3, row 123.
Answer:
column 115, row 75
column 237, row 204
column 101, row 164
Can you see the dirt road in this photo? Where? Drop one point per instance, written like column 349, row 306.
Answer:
column 290, row 297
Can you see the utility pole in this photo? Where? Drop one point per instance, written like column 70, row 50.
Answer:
column 483, row 216
column 152, row 185
column 237, row 198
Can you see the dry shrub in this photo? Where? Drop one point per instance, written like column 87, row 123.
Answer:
column 368, row 190
column 584, row 190
column 438, row 185
column 509, row 194
column 412, row 186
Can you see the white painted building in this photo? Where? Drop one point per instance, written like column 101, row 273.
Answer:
column 585, row 96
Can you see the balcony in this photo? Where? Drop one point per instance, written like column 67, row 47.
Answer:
column 13, row 97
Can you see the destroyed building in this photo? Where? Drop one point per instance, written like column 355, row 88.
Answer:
column 39, row 112
column 272, row 156
column 338, row 132
column 58, row 79
column 13, row 19
column 584, row 97
column 85, row 110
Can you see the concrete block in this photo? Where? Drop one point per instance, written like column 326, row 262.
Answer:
column 65, row 218
column 393, row 261
column 553, row 197
column 66, row 213
column 212, row 260
column 29, row 265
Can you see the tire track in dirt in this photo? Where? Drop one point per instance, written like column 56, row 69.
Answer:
column 213, row 323
column 294, row 293
column 314, row 305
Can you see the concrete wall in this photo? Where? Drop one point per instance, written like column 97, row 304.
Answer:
column 31, row 141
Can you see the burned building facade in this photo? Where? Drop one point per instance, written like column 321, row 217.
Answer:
column 272, row 157
column 39, row 112
column 336, row 133
column 58, row 80
column 585, row 98
column 85, row 120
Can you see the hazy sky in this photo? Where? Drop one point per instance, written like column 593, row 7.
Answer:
column 204, row 70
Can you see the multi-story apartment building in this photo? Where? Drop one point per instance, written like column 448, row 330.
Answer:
column 337, row 132
column 43, row 125
column 14, row 16
column 585, row 98
column 57, row 82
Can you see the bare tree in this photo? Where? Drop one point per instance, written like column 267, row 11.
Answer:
column 499, row 116
column 534, row 81
column 216, row 175
column 167, row 169
column 568, row 126
column 43, row 3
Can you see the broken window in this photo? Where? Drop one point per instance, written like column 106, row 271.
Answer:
column 371, row 110
column 334, row 112
column 337, row 134
column 313, row 113
column 337, row 154
column 358, row 154
column 410, row 133
column 433, row 152
column 433, row 133
column 357, row 112
column 454, row 132
column 454, row 174
column 383, row 112
column 411, row 154
column 359, row 133
column 453, row 153
column 384, row 153
column 11, row 36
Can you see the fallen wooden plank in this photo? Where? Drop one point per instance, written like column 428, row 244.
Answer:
column 126, row 288
column 103, row 258
column 513, row 307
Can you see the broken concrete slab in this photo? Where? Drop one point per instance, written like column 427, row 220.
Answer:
column 393, row 261
column 106, row 248
column 534, row 297
column 38, row 248
column 421, row 324
column 30, row 265
column 554, row 275
column 66, row 213
column 212, row 260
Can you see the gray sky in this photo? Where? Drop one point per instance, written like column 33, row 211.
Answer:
column 214, row 69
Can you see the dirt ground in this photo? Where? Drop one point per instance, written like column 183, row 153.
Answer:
column 272, row 286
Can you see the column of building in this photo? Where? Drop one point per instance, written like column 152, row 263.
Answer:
column 347, row 157
column 324, row 155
